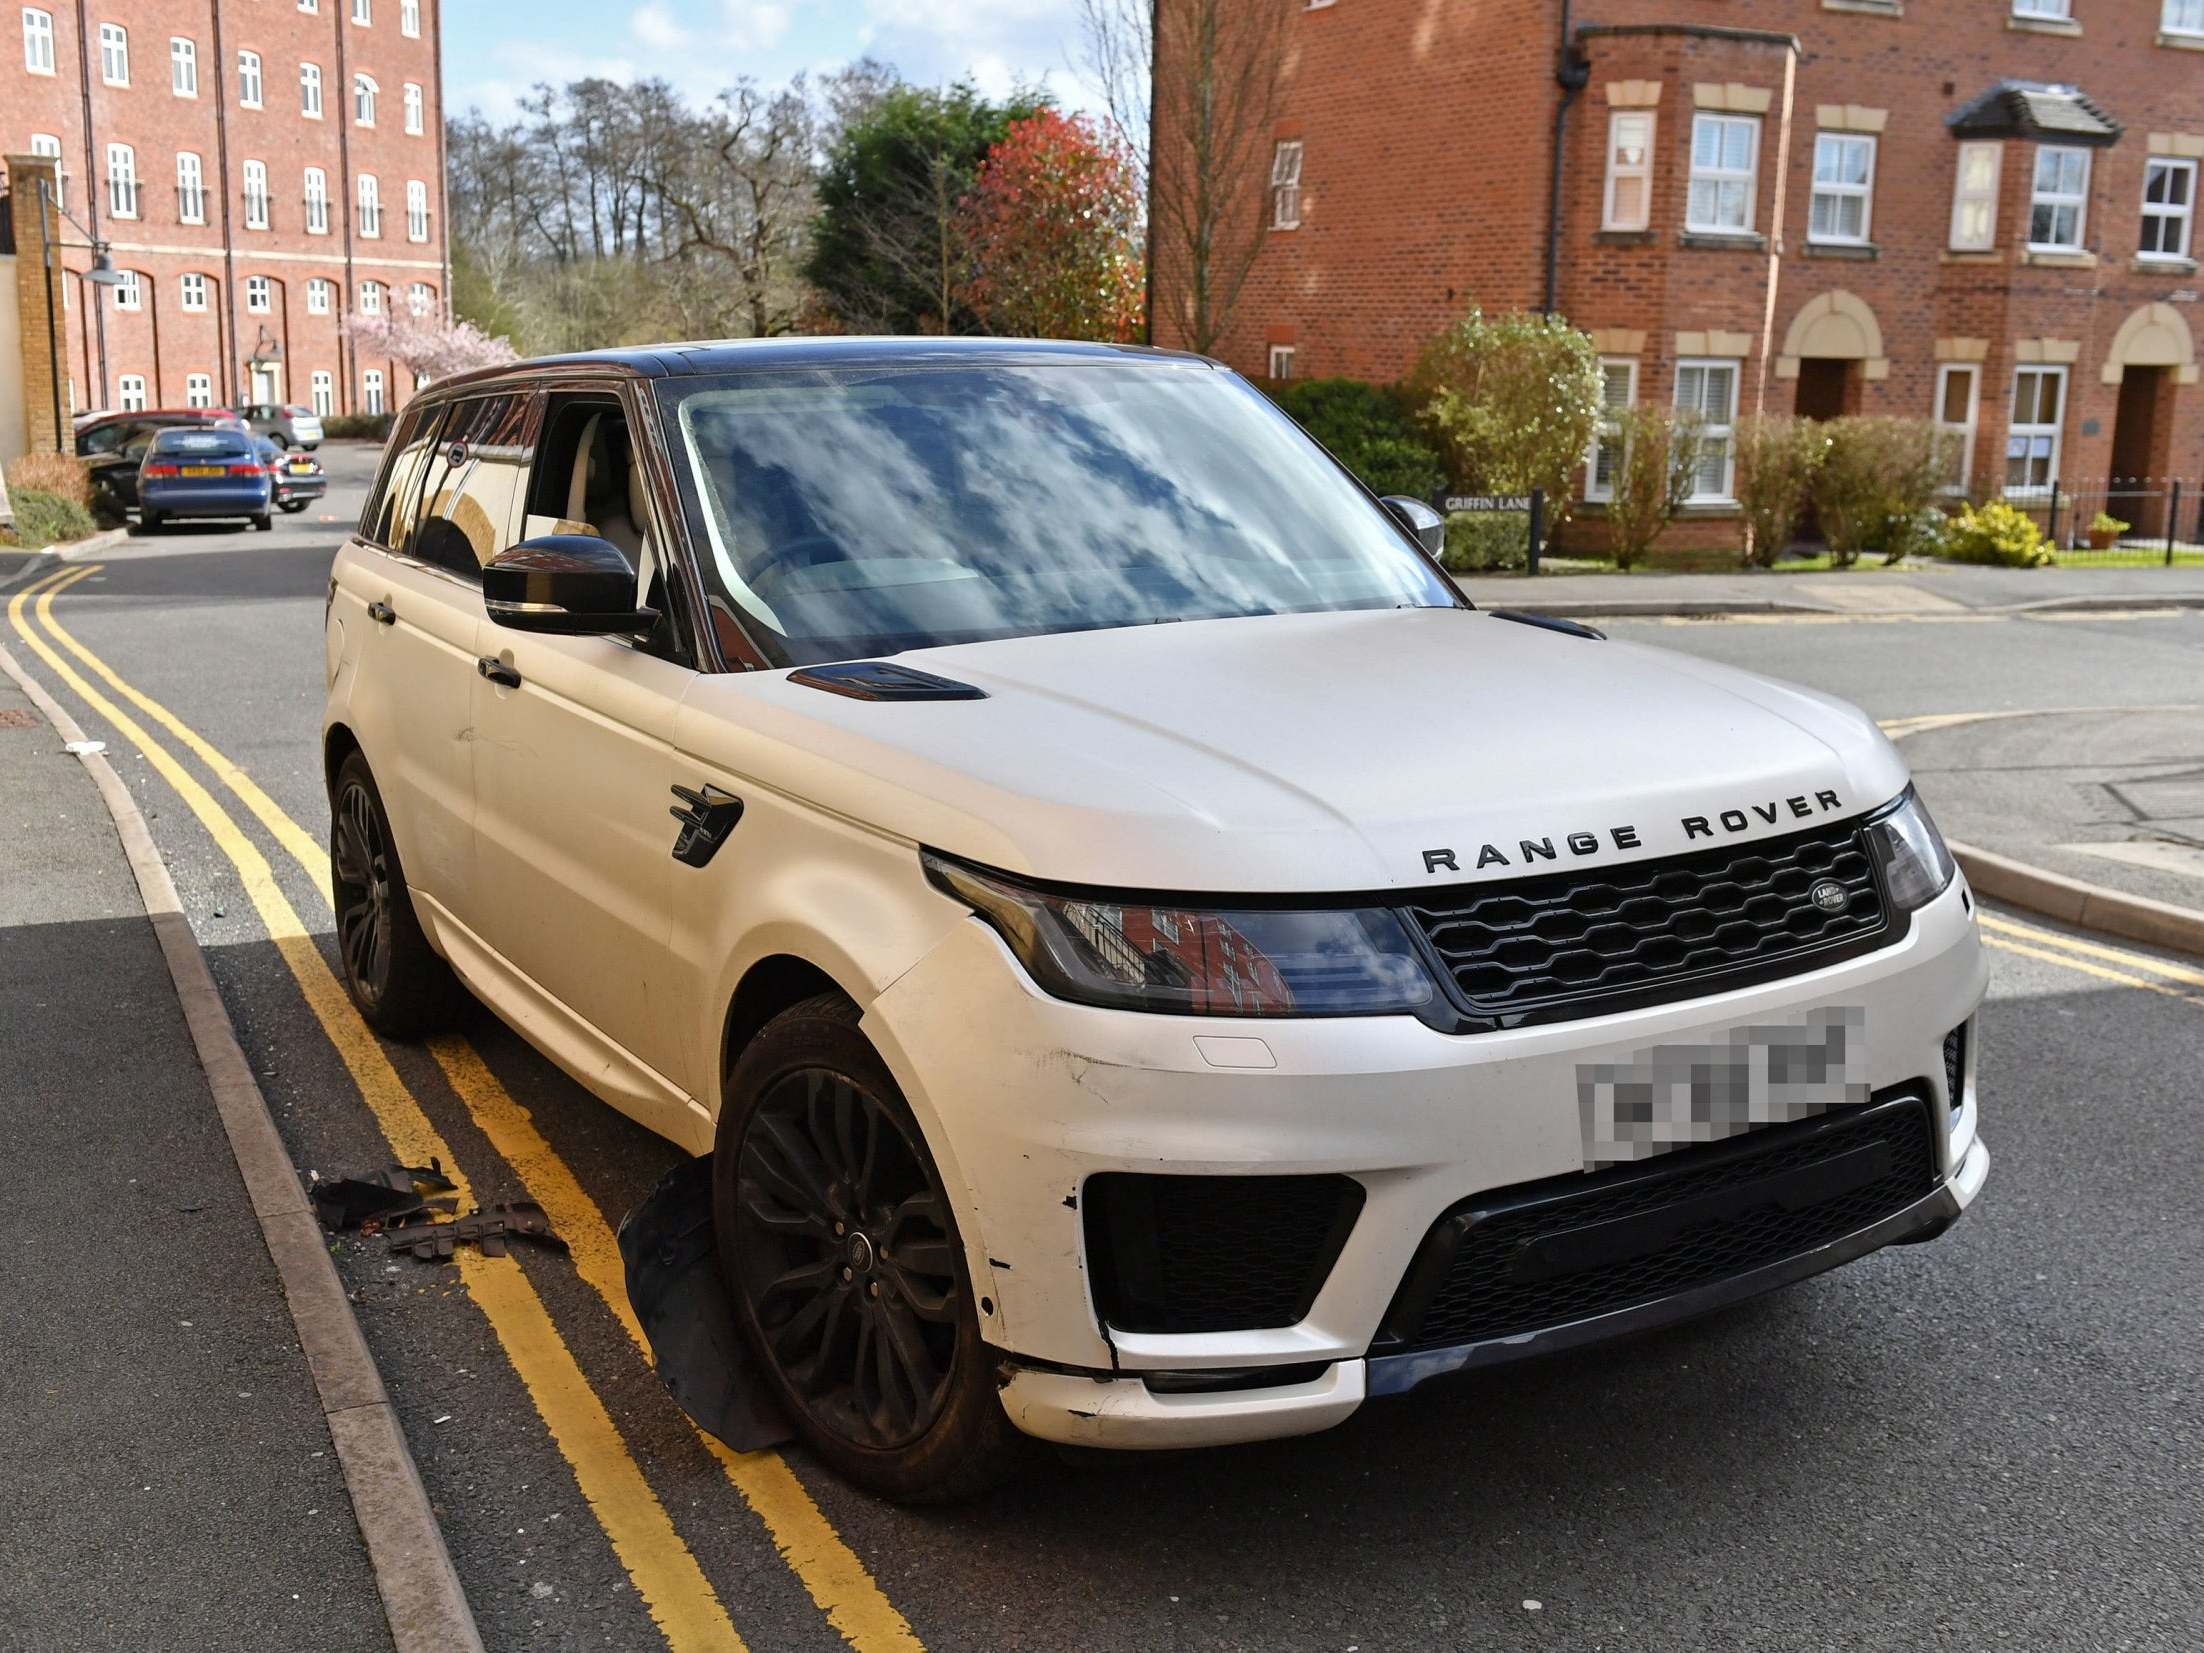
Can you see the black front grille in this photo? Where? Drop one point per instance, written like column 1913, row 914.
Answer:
column 1577, row 943
column 1551, row 1253
column 1212, row 1254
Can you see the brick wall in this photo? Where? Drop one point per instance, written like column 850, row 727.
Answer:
column 1426, row 148
column 160, row 341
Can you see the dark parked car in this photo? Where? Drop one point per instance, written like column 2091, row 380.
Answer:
column 112, row 445
column 204, row 471
column 298, row 478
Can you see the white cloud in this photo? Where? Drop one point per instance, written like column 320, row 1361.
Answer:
column 655, row 28
column 752, row 25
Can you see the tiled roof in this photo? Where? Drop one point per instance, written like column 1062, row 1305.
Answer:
column 2032, row 109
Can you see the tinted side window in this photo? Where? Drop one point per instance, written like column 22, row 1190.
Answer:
column 389, row 516
column 474, row 481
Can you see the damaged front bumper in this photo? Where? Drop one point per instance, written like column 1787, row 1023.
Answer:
column 1427, row 1127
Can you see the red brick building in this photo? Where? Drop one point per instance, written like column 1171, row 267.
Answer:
column 258, row 168
column 1981, row 212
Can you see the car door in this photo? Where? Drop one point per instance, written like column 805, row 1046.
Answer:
column 413, row 695
column 573, row 788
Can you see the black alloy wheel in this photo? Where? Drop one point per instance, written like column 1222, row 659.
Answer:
column 847, row 1258
column 359, row 852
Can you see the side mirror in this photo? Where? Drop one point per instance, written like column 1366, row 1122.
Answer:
column 1420, row 520
column 573, row 584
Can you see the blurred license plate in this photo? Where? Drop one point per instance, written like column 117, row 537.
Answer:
column 202, row 470
column 1671, row 1096
column 302, row 467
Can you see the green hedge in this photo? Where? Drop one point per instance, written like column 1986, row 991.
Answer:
column 1479, row 541
column 1368, row 428
column 373, row 426
column 43, row 518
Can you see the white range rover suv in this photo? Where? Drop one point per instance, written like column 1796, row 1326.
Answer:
column 1121, row 1032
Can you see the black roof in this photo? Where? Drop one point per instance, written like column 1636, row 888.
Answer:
column 2034, row 109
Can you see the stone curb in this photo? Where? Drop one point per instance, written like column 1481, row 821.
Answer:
column 420, row 1590
column 2091, row 906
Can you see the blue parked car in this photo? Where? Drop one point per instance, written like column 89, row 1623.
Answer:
column 203, row 472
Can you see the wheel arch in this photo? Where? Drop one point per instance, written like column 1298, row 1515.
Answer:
column 772, row 984
column 338, row 742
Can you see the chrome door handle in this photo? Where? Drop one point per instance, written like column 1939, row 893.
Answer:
column 382, row 614
column 497, row 671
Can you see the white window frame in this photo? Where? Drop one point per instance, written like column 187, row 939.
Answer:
column 2055, row 200
column 416, row 105
column 371, row 392
column 417, row 210
column 198, row 390
column 309, row 5
column 363, row 13
column 1726, row 428
column 2183, row 219
column 409, row 18
column 1608, row 431
column 114, row 55
column 2031, row 433
column 1717, row 175
column 191, row 292
column 38, row 40
column 191, row 188
column 369, row 204
column 1639, row 171
column 1983, row 194
column 321, row 392
column 321, row 293
column 317, row 201
column 1964, row 431
column 1285, row 184
column 364, row 94
column 252, row 85
column 2058, row 11
column 309, row 90
column 183, row 66
column 2183, row 17
column 48, row 144
column 129, row 291
column 420, row 297
column 122, row 181
column 371, row 297
column 259, row 295
column 1841, row 190
column 130, row 393
column 256, row 195
column 1280, row 361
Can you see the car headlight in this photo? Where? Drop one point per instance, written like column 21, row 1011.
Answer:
column 1140, row 953
column 1917, row 867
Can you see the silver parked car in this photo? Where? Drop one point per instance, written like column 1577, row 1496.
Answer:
column 290, row 423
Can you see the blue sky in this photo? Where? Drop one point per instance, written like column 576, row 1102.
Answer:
column 494, row 50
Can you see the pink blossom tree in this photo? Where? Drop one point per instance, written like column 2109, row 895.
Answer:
column 427, row 345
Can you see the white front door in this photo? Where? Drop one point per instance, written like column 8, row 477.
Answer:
column 267, row 385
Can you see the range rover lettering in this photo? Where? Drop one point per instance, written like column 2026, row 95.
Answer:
column 1152, row 964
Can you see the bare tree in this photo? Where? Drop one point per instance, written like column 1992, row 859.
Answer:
column 1195, row 84
column 738, row 198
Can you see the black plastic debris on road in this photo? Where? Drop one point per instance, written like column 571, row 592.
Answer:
column 488, row 1228
column 681, row 1298
column 387, row 1198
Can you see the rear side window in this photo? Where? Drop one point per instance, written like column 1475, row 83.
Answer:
column 388, row 520
column 473, row 482
column 211, row 444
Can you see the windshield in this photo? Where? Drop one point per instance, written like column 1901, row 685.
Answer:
column 189, row 439
column 866, row 511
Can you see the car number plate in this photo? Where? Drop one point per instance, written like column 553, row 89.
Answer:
column 201, row 470
column 302, row 467
column 1671, row 1096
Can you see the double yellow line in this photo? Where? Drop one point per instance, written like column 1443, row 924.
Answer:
column 664, row 1571
column 2091, row 958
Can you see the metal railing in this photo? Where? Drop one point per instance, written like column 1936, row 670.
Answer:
column 2159, row 517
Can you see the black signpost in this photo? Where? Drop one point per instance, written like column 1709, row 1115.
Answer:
column 1532, row 505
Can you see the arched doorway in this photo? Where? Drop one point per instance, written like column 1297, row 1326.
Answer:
column 2149, row 356
column 1833, row 348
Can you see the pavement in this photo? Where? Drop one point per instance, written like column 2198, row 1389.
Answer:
column 1870, row 590
column 159, row 1407
column 1987, row 1441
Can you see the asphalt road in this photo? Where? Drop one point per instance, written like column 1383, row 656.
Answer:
column 1988, row 1442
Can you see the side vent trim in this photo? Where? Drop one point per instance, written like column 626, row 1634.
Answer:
column 883, row 680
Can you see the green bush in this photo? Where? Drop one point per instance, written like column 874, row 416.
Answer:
column 43, row 518
column 375, row 427
column 1877, row 478
column 1995, row 533
column 1368, row 428
column 1511, row 401
column 1479, row 541
column 1777, row 456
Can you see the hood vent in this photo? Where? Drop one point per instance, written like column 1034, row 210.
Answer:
column 883, row 680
